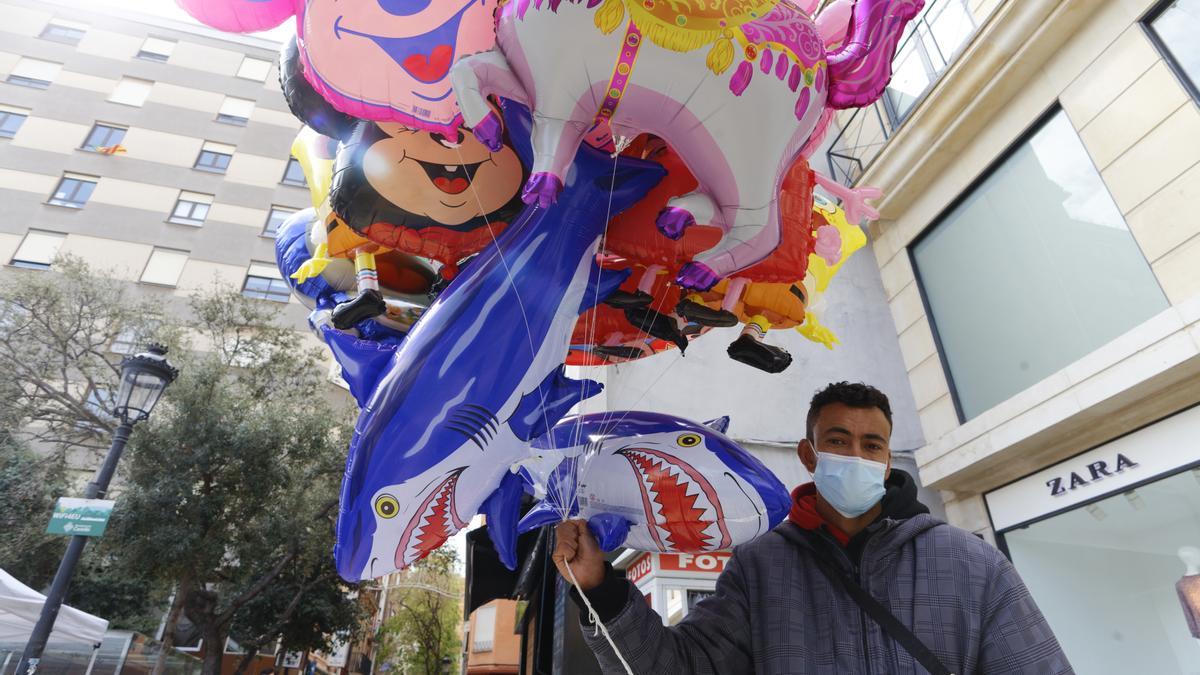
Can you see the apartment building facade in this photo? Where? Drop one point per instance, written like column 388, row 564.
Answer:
column 156, row 150
column 1039, row 247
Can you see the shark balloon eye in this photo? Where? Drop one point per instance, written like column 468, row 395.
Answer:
column 688, row 440
column 386, row 506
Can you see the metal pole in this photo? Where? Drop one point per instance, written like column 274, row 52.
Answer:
column 92, row 662
column 66, row 569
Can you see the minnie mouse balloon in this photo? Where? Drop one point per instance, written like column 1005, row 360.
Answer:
column 386, row 60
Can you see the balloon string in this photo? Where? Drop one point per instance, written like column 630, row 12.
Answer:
column 511, row 283
column 592, row 316
column 594, row 618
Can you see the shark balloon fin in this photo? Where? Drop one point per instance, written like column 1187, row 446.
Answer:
column 543, row 407
column 609, row 529
column 503, row 509
column 601, row 284
column 542, row 514
column 362, row 361
column 720, row 424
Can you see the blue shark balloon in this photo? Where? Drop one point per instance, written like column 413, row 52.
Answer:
column 448, row 411
column 654, row 482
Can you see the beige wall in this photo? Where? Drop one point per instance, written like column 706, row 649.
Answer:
column 228, row 213
column 23, row 20
column 208, row 59
column 120, row 259
column 200, row 275
column 8, row 246
column 135, row 195
column 108, row 44
column 1142, row 131
column 51, row 135
column 256, row 170
column 27, row 181
column 158, row 146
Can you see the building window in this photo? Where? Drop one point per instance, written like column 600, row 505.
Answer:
column 66, row 32
column 931, row 44
column 483, row 638
column 1030, row 270
column 164, row 267
column 11, row 120
column 37, row 250
column 235, row 111
column 294, row 174
column 1131, row 549
column 156, row 49
column 131, row 91
column 1173, row 27
column 103, row 137
column 214, row 157
column 100, row 402
column 34, row 73
column 191, row 208
column 73, row 190
column 126, row 342
column 279, row 215
column 263, row 282
column 254, row 69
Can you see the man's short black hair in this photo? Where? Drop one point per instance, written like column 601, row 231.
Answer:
column 854, row 395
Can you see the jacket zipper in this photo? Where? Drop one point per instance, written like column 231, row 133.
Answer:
column 862, row 614
column 862, row 619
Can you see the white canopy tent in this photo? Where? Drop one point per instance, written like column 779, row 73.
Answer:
column 20, row 607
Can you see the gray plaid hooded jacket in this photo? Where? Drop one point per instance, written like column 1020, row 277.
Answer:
column 774, row 612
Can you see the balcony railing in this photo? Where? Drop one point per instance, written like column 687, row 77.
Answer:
column 933, row 41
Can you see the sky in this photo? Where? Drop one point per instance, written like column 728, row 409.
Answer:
column 168, row 9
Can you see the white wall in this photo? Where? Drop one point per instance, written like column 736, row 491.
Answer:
column 706, row 383
column 1113, row 611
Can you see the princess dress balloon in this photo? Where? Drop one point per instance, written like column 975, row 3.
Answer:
column 383, row 60
column 737, row 133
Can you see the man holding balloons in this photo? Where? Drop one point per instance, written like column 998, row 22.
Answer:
column 859, row 579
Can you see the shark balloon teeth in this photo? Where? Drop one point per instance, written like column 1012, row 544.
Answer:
column 672, row 484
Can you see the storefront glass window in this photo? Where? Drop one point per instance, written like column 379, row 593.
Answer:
column 1176, row 27
column 1032, row 270
column 1105, row 576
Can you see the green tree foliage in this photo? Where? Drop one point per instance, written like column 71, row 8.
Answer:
column 56, row 336
column 226, row 496
column 28, row 487
column 423, row 616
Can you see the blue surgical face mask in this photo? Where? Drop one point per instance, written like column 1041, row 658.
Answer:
column 851, row 485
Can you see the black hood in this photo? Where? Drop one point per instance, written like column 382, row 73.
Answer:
column 900, row 497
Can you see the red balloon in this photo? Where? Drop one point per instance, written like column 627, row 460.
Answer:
column 605, row 335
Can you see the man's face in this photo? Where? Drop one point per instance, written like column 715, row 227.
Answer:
column 853, row 432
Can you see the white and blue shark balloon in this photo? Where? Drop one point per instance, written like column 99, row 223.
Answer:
column 447, row 411
column 653, row 482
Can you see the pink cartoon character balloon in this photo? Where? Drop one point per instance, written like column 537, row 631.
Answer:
column 639, row 66
column 382, row 60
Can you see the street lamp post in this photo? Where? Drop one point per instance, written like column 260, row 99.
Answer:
column 144, row 377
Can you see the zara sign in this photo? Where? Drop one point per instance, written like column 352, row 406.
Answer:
column 1097, row 470
column 1158, row 449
